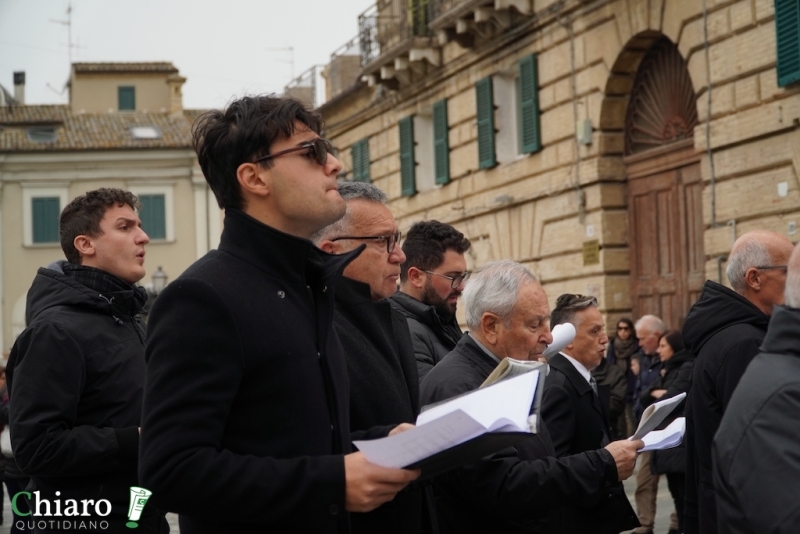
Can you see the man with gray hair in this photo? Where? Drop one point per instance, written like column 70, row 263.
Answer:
column 760, row 429
column 524, row 488
column 724, row 330
column 384, row 388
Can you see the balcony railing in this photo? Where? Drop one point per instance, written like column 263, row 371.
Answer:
column 308, row 88
column 389, row 23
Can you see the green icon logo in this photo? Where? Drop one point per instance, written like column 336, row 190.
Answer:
column 139, row 498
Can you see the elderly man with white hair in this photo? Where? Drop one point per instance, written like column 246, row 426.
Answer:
column 724, row 330
column 524, row 488
column 756, row 451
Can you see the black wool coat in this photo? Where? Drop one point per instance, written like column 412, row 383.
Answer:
column 724, row 331
column 578, row 422
column 246, row 413
column 522, row 489
column 433, row 338
column 384, row 389
column 756, row 451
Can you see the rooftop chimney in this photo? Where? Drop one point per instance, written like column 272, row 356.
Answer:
column 19, row 87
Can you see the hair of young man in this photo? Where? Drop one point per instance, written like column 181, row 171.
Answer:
column 82, row 216
column 349, row 191
column 651, row 324
column 567, row 308
column 494, row 290
column 243, row 132
column 750, row 253
column 426, row 244
column 674, row 340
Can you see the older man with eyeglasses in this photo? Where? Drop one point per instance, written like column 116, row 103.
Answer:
column 431, row 281
column 384, row 390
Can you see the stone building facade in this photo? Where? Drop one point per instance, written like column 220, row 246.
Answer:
column 624, row 146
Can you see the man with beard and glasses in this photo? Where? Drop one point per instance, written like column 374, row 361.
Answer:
column 431, row 280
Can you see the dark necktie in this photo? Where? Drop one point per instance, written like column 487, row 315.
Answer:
column 593, row 383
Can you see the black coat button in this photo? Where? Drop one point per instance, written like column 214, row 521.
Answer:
column 334, row 510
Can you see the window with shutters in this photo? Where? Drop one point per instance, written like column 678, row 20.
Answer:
column 156, row 211
column 359, row 154
column 441, row 143
column 153, row 216
column 408, row 185
column 787, row 28
column 506, row 118
column 485, row 115
column 41, row 211
column 126, row 97
column 530, row 133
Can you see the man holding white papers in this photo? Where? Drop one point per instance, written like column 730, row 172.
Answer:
column 519, row 489
column 756, row 452
column 574, row 412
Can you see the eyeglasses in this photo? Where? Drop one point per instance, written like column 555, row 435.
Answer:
column 455, row 281
column 623, row 328
column 321, row 148
column 391, row 240
column 784, row 268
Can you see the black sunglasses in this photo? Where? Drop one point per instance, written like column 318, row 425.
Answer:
column 321, row 148
column 391, row 240
column 455, row 281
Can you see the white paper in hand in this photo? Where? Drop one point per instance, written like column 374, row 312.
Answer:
column 671, row 436
column 655, row 413
column 563, row 334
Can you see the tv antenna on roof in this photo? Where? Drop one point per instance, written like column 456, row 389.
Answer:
column 68, row 24
column 289, row 49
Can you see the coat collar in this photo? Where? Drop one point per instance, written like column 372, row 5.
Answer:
column 783, row 336
column 281, row 255
column 565, row 366
column 467, row 346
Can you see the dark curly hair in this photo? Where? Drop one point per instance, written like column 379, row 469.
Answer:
column 426, row 243
column 243, row 132
column 82, row 216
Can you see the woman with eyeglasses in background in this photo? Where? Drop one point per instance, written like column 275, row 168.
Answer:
column 619, row 350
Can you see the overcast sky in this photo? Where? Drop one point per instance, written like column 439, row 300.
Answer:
column 222, row 47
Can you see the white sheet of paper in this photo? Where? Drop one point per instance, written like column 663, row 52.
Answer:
column 671, row 436
column 500, row 407
column 563, row 334
column 655, row 414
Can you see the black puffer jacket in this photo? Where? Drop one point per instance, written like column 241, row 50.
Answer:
column 756, row 461
column 432, row 337
column 724, row 331
column 76, row 378
column 677, row 379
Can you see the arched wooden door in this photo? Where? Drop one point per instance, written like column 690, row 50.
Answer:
column 665, row 214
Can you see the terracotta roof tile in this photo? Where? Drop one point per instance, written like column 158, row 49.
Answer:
column 117, row 67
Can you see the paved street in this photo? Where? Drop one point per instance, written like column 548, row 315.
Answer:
column 662, row 515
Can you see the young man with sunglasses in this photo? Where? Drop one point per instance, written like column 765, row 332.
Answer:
column 431, row 281
column 245, row 419
column 384, row 390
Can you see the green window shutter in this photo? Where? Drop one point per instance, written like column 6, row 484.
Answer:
column 154, row 216
column 46, row 211
column 408, row 184
column 441, row 146
column 359, row 153
column 787, row 28
column 530, row 126
column 127, row 98
column 485, row 104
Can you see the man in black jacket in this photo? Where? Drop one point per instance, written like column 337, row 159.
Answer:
column 76, row 374
column 431, row 280
column 756, row 460
column 246, row 417
column 724, row 330
column 523, row 488
column 574, row 406
column 384, row 389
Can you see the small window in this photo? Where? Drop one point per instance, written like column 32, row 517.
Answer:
column 127, row 98
column 359, row 153
column 42, row 134
column 154, row 216
column 145, row 132
column 46, row 211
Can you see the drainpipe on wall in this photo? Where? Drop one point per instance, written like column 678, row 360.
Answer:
column 709, row 87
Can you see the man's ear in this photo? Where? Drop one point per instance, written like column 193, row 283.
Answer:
column 490, row 326
column 328, row 246
column 752, row 278
column 416, row 277
column 253, row 179
column 84, row 245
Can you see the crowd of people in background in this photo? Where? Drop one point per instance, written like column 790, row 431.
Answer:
column 315, row 324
